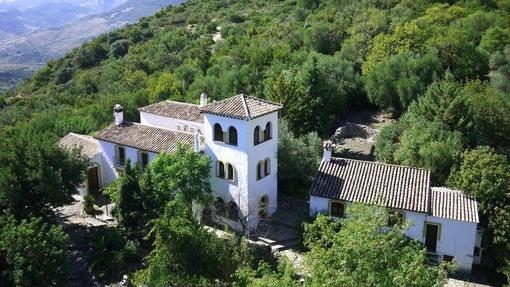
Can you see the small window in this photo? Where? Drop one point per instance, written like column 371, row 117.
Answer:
column 267, row 167
column 232, row 136
column 219, row 206
column 264, row 201
column 448, row 258
column 218, row 132
column 120, row 155
column 143, row 159
column 220, row 169
column 256, row 135
column 230, row 171
column 267, row 132
column 395, row 217
column 337, row 209
column 232, row 211
column 259, row 170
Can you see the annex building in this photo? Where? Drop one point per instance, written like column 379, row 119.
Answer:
column 444, row 220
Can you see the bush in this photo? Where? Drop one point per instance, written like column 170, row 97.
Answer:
column 32, row 253
column 88, row 204
column 112, row 253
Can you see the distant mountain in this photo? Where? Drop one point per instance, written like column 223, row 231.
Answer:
column 40, row 46
column 31, row 50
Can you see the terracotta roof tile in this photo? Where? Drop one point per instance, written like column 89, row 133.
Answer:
column 241, row 107
column 89, row 146
column 453, row 204
column 176, row 110
column 393, row 186
column 145, row 137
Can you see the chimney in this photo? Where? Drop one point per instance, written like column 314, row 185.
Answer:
column 197, row 142
column 203, row 99
column 328, row 149
column 118, row 114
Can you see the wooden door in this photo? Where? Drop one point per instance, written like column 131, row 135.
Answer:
column 93, row 179
column 431, row 234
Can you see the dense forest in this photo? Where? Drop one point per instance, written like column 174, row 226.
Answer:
column 441, row 68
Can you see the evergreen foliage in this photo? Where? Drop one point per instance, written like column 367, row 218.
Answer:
column 32, row 253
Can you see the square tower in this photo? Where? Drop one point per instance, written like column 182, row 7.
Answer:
column 241, row 138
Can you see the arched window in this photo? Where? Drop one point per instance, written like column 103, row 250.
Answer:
column 256, row 135
column 267, row 167
column 267, row 132
column 337, row 209
column 259, row 170
column 395, row 217
column 232, row 211
column 232, row 136
column 230, row 171
column 220, row 169
column 218, row 133
column 219, row 206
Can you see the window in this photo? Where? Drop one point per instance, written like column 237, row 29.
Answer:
column 218, row 132
column 395, row 217
column 230, row 171
column 256, row 135
column 259, row 170
column 263, row 206
column 448, row 258
column 143, row 159
column 220, row 169
column 267, row 132
column 232, row 211
column 337, row 209
column 232, row 136
column 267, row 167
column 120, row 155
column 219, row 206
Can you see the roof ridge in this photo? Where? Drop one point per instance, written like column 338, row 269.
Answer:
column 264, row 100
column 245, row 105
column 165, row 129
column 381, row 163
column 85, row 137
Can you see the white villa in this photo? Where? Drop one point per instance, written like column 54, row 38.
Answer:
column 444, row 220
column 240, row 135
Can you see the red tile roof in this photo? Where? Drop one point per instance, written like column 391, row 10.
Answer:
column 241, row 107
column 176, row 110
column 89, row 146
column 453, row 204
column 368, row 182
column 145, row 137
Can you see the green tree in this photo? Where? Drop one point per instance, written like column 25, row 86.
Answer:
column 119, row 48
column 430, row 145
column 36, row 174
column 130, row 210
column 183, row 171
column 485, row 175
column 394, row 84
column 500, row 71
column 361, row 253
column 32, row 253
column 164, row 87
column 495, row 39
column 184, row 252
column 298, row 160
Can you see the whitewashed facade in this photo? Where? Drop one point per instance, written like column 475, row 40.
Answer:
column 444, row 220
column 251, row 191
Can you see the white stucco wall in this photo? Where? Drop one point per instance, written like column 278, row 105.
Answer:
column 168, row 123
column 457, row 237
column 245, row 190
column 109, row 169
